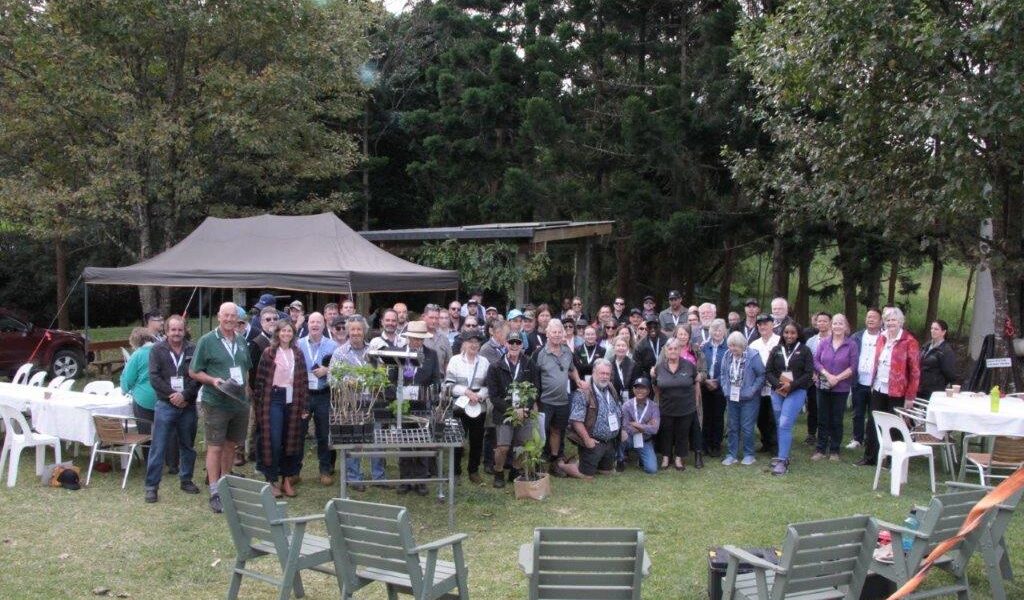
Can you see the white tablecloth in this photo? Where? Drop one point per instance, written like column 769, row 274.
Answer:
column 972, row 414
column 66, row 414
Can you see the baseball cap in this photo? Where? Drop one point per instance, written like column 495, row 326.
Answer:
column 674, row 295
column 652, row 318
column 515, row 336
column 635, row 311
column 339, row 320
column 648, row 297
column 265, row 301
column 642, row 382
column 528, row 315
column 296, row 304
column 490, row 309
column 752, row 301
column 761, row 318
column 515, row 313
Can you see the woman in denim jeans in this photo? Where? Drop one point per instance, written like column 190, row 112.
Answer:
column 742, row 379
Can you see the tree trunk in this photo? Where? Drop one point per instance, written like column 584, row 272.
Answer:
column 846, row 268
column 61, row 271
column 894, row 273
column 366, row 167
column 725, row 286
column 780, row 268
column 934, row 287
column 623, row 265
column 147, row 293
column 802, row 308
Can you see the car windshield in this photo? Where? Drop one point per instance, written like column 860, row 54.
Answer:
column 9, row 324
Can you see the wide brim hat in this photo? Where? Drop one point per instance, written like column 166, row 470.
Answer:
column 465, row 336
column 417, row 329
column 472, row 410
column 233, row 390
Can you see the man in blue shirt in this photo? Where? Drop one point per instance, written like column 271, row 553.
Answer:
column 317, row 349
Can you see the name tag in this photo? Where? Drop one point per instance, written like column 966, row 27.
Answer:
column 314, row 381
column 178, row 384
column 734, row 393
column 766, row 390
column 787, row 375
column 587, row 378
column 638, row 440
column 236, row 375
column 288, row 394
column 613, row 421
column 411, row 392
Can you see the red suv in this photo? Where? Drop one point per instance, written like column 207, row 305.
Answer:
column 60, row 352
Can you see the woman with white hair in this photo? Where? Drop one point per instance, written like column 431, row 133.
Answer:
column 742, row 379
column 897, row 375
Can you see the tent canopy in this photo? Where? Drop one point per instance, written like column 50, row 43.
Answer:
column 316, row 253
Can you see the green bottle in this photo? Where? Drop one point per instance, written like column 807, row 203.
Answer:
column 994, row 405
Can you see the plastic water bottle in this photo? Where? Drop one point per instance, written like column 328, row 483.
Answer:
column 994, row 396
column 912, row 524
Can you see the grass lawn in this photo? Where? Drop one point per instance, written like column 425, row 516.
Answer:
column 62, row 544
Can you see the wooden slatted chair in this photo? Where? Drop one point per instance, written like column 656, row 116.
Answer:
column 373, row 543
column 118, row 435
column 585, row 563
column 821, row 560
column 992, row 539
column 940, row 520
column 1007, row 456
column 260, row 527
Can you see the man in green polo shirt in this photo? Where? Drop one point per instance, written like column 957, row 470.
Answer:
column 220, row 356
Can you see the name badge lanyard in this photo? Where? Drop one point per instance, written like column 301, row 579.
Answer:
column 736, row 370
column 748, row 331
column 231, row 349
column 657, row 347
column 177, row 361
column 590, row 355
column 472, row 378
column 618, row 367
column 640, row 417
column 515, row 373
column 289, row 360
column 786, row 357
column 314, row 359
column 714, row 360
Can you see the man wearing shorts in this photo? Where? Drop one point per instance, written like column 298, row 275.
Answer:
column 222, row 356
column 553, row 368
column 506, row 370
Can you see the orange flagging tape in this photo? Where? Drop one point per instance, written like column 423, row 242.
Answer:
column 997, row 496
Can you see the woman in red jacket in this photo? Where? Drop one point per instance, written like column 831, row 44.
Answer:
column 897, row 375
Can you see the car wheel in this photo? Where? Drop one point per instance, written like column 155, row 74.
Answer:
column 67, row 363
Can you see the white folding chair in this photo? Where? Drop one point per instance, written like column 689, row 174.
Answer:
column 38, row 379
column 20, row 436
column 114, row 435
column 900, row 452
column 55, row 382
column 100, row 388
column 66, row 384
column 22, row 374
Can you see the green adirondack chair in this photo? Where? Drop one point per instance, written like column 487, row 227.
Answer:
column 940, row 520
column 260, row 527
column 821, row 560
column 585, row 563
column 373, row 542
column 992, row 539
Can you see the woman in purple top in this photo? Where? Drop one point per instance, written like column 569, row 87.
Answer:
column 835, row 364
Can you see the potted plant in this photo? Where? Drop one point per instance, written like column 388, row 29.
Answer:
column 520, row 395
column 355, row 389
column 534, row 482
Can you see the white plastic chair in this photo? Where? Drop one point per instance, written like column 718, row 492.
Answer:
column 114, row 392
column 918, row 415
column 899, row 451
column 20, row 436
column 100, row 388
column 66, row 384
column 38, row 379
column 22, row 374
column 55, row 382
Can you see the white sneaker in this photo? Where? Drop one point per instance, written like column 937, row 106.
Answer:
column 729, row 461
column 748, row 460
column 853, row 445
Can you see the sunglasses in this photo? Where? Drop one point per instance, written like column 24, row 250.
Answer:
column 619, row 303
column 515, row 342
column 339, row 328
column 609, row 327
column 270, row 319
column 641, row 329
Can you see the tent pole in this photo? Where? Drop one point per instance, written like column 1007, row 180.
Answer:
column 199, row 312
column 86, row 316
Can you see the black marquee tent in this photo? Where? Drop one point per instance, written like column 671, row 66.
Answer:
column 314, row 253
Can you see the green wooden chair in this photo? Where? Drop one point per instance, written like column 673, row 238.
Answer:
column 992, row 539
column 940, row 520
column 260, row 526
column 821, row 560
column 373, row 542
column 585, row 563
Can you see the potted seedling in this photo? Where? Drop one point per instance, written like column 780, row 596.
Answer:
column 355, row 389
column 534, row 482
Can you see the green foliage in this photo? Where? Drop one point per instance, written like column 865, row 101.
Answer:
column 367, row 377
column 521, row 396
column 492, row 266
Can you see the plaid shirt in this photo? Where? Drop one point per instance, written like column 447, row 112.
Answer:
column 293, row 432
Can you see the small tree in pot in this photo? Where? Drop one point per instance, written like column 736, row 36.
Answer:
column 533, row 483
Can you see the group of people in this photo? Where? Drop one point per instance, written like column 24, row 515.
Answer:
column 630, row 386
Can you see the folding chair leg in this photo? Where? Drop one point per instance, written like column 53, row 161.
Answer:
column 297, row 585
column 878, row 473
column 128, row 467
column 92, row 461
column 40, row 459
column 236, row 580
column 931, row 470
column 3, row 455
